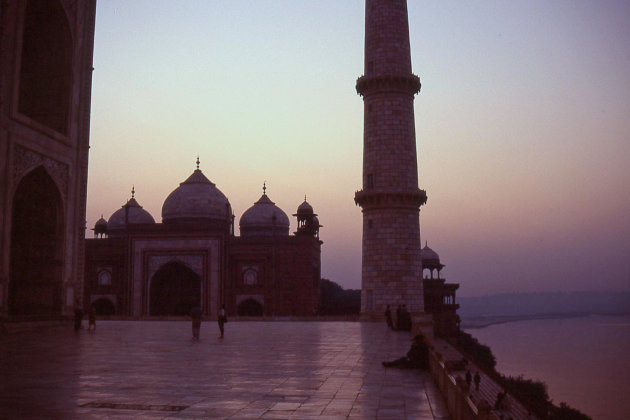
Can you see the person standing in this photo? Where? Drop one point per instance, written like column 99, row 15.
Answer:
column 195, row 314
column 78, row 316
column 468, row 379
column 222, row 320
column 477, row 380
column 388, row 317
column 92, row 318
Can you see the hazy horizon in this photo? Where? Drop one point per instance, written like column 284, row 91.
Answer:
column 522, row 126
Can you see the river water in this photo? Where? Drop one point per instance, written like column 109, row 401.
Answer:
column 585, row 361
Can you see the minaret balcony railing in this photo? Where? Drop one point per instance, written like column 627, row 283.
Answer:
column 409, row 84
column 388, row 199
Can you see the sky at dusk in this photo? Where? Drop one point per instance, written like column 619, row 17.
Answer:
column 522, row 125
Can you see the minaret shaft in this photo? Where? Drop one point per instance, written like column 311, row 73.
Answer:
column 390, row 198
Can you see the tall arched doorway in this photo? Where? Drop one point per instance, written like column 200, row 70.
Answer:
column 175, row 290
column 36, row 262
column 249, row 307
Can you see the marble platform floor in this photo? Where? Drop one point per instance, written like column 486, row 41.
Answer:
column 267, row 370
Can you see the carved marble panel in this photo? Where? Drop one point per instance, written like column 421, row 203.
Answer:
column 25, row 160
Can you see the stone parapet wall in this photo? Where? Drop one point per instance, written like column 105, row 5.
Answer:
column 459, row 406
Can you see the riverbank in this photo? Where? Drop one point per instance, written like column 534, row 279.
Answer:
column 482, row 321
column 582, row 359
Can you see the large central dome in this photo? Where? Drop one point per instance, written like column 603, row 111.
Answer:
column 195, row 199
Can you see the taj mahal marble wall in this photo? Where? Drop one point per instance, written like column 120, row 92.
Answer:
column 45, row 91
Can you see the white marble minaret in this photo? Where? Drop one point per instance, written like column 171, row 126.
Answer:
column 390, row 198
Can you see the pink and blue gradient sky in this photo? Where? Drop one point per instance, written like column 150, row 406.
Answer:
column 523, row 126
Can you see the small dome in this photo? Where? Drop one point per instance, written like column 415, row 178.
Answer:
column 130, row 213
column 430, row 258
column 101, row 224
column 263, row 219
column 429, row 254
column 305, row 208
column 194, row 199
column 100, row 227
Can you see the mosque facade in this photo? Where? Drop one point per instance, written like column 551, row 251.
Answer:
column 139, row 268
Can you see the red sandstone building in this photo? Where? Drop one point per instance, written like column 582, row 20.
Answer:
column 137, row 267
column 439, row 296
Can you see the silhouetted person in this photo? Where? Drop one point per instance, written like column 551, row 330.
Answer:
column 468, row 378
column 417, row 357
column 78, row 316
column 499, row 404
column 222, row 319
column 195, row 314
column 388, row 318
column 477, row 380
column 92, row 318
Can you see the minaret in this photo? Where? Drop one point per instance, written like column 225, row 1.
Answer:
column 390, row 198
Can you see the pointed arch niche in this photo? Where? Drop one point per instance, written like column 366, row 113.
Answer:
column 36, row 255
column 46, row 65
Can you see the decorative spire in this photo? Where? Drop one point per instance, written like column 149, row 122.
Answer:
column 304, row 197
column 197, row 162
column 264, row 187
column 133, row 191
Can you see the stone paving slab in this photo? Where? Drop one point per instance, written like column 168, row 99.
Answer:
column 266, row 370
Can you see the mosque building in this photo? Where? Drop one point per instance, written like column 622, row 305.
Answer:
column 137, row 267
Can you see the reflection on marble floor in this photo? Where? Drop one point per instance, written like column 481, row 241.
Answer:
column 279, row 370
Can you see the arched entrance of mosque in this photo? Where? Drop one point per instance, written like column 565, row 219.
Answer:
column 175, row 290
column 104, row 307
column 36, row 255
column 250, row 307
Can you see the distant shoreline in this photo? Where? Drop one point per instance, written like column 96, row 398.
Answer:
column 478, row 322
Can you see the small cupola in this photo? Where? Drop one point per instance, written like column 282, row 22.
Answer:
column 430, row 260
column 100, row 228
column 307, row 221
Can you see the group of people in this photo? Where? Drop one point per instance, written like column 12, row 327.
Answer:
column 196, row 315
column 78, row 318
column 403, row 318
column 500, row 402
column 470, row 379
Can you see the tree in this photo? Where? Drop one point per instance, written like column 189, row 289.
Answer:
column 337, row 301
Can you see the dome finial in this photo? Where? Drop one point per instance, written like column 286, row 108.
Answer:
column 197, row 162
column 133, row 191
column 264, row 187
column 426, row 243
column 304, row 197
